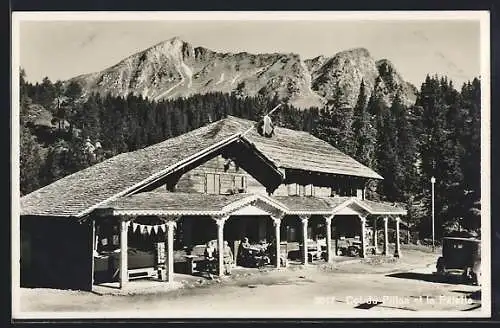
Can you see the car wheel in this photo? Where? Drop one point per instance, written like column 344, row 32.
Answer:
column 440, row 267
column 468, row 275
column 353, row 251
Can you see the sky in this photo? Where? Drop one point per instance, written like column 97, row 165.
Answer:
column 64, row 49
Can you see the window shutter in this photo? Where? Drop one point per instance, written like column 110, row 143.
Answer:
column 217, row 184
column 293, row 189
column 210, row 183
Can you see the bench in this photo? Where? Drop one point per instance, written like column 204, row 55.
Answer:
column 141, row 273
column 314, row 251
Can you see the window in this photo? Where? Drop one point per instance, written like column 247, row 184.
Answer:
column 222, row 183
column 212, row 183
column 295, row 189
column 240, row 183
column 309, row 190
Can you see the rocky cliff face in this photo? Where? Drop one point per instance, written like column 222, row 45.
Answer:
column 175, row 68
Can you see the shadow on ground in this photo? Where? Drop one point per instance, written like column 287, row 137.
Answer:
column 429, row 277
column 475, row 295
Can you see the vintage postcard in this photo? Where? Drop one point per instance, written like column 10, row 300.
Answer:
column 251, row 165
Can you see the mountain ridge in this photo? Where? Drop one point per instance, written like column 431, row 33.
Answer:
column 175, row 68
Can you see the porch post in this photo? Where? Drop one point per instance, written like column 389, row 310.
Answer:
column 220, row 244
column 397, row 252
column 362, row 220
column 328, row 221
column 123, row 252
column 386, row 236
column 304, row 220
column 375, row 241
column 277, row 232
column 94, row 248
column 170, row 249
column 336, row 242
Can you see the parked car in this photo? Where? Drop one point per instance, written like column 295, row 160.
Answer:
column 460, row 255
column 352, row 247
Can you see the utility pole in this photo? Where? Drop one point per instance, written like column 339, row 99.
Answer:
column 433, row 181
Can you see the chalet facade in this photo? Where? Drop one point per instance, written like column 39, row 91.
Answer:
column 223, row 181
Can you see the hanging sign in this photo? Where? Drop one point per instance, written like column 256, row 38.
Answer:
column 160, row 253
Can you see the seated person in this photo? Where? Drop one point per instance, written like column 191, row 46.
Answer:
column 245, row 243
column 243, row 252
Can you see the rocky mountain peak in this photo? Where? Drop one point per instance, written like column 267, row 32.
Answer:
column 173, row 46
column 174, row 68
column 354, row 52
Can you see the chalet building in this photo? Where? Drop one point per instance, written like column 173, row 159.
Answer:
column 224, row 181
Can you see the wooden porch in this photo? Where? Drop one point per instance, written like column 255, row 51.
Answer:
column 171, row 208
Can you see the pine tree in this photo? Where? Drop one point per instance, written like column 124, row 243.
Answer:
column 341, row 118
column 73, row 110
column 363, row 130
column 471, row 161
column 29, row 152
column 406, row 146
column 29, row 162
column 90, row 123
column 47, row 92
column 387, row 161
column 442, row 150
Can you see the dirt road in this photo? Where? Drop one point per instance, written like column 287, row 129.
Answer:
column 372, row 286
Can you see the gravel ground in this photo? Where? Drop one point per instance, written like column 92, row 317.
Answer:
column 369, row 286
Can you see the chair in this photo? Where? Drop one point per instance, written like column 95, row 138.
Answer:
column 284, row 254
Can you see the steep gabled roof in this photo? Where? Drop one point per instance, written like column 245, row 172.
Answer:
column 302, row 151
column 79, row 193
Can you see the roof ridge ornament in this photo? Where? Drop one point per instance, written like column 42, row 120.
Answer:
column 265, row 126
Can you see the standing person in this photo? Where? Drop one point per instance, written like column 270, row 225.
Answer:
column 228, row 258
column 210, row 258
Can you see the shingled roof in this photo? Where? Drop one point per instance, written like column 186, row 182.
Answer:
column 382, row 208
column 298, row 205
column 175, row 203
column 301, row 150
column 79, row 193
column 179, row 203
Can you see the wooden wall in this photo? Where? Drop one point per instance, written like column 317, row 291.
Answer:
column 56, row 253
column 195, row 181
